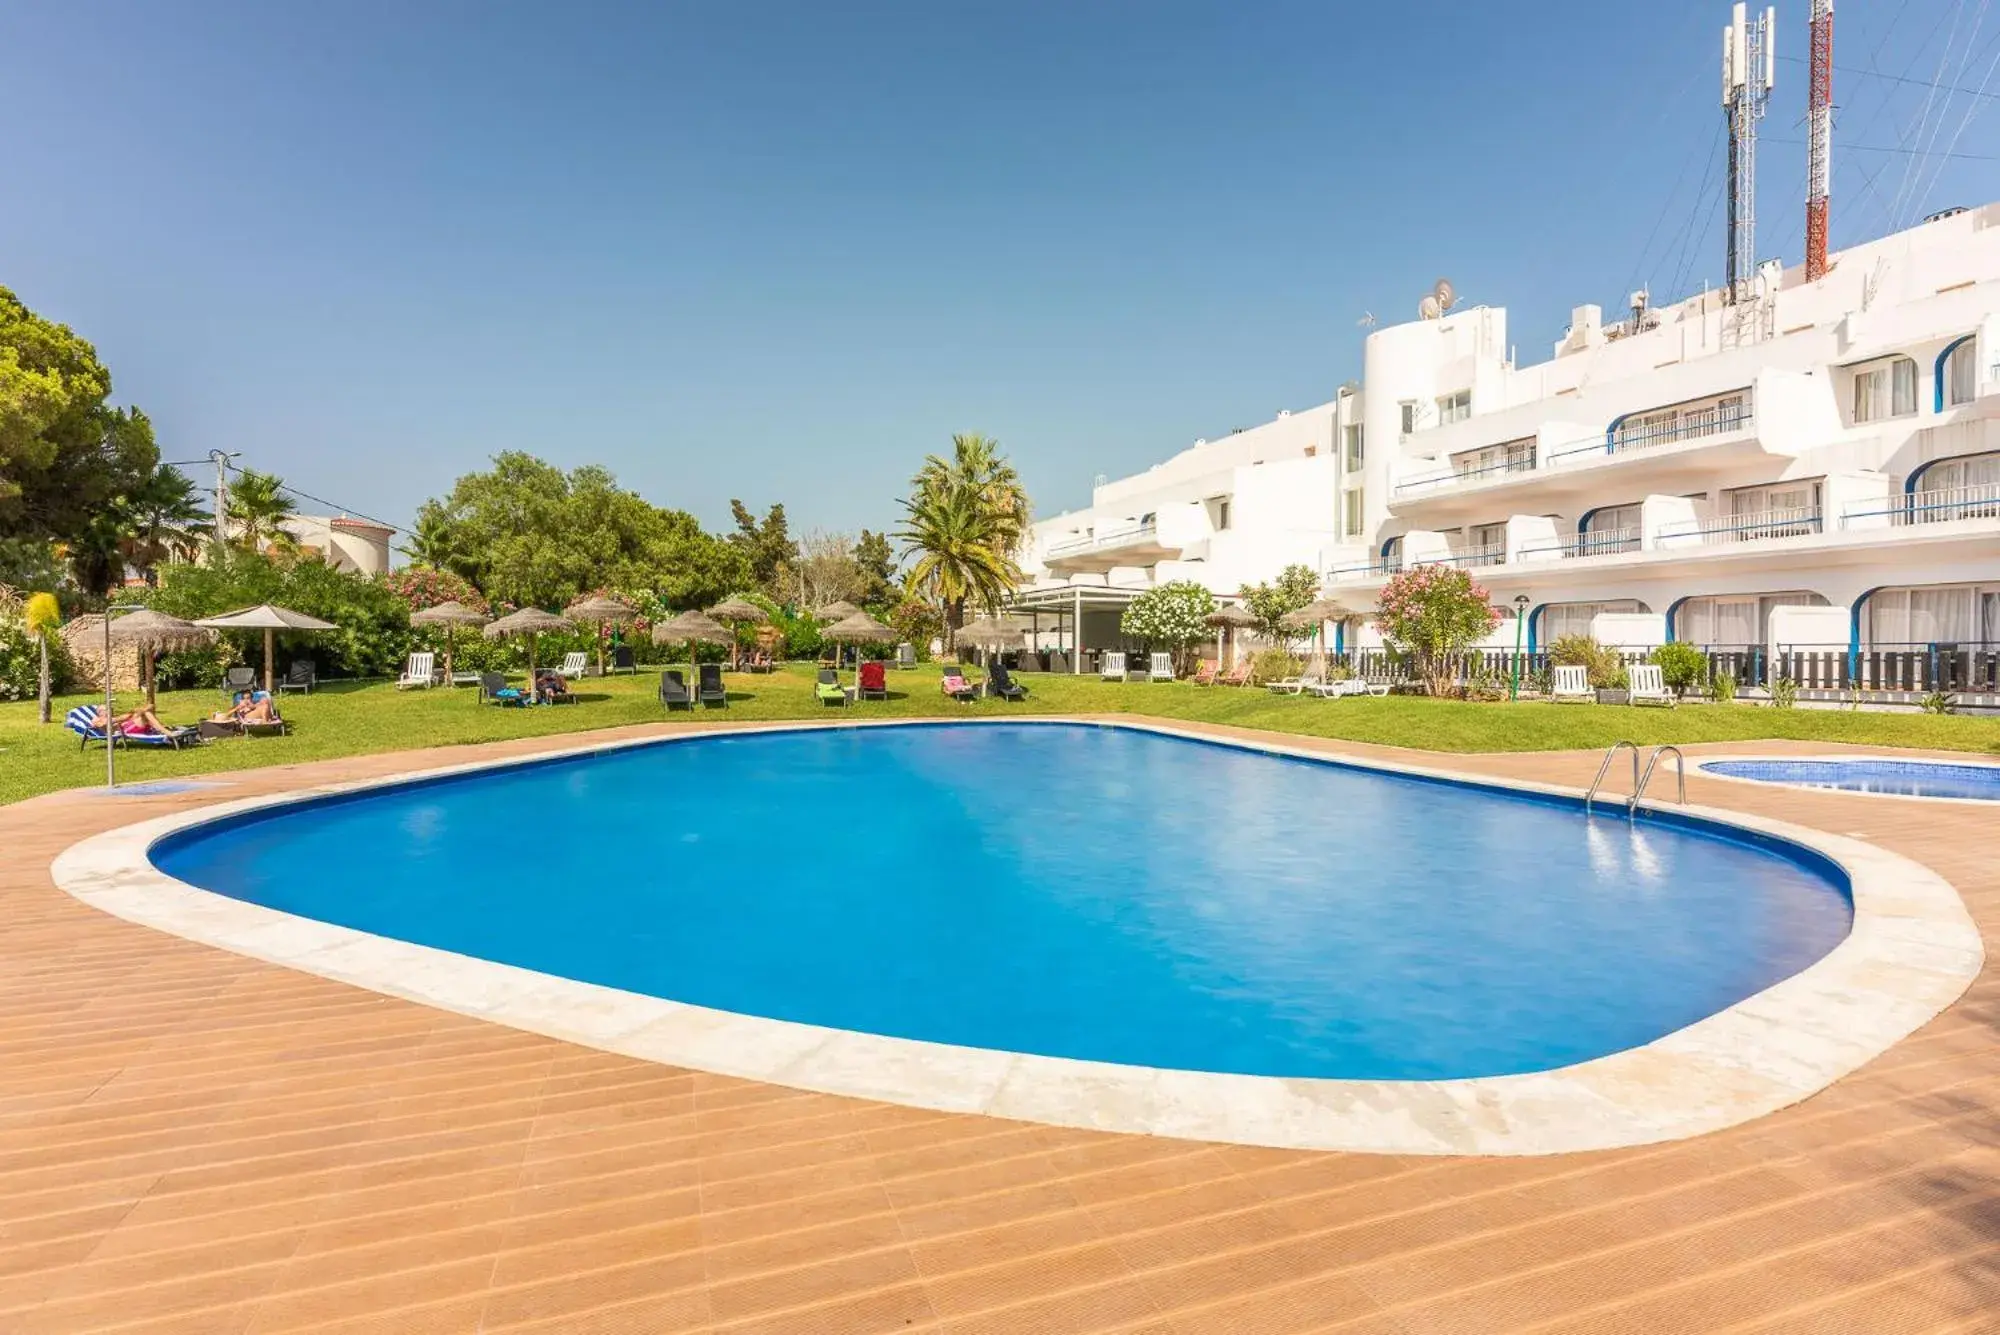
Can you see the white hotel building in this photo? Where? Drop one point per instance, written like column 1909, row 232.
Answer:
column 1817, row 468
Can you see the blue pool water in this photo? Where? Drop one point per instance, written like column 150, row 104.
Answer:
column 1064, row 889
column 1901, row 778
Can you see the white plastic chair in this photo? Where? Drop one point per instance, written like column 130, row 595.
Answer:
column 1571, row 685
column 573, row 665
column 1648, row 685
column 1111, row 667
column 1162, row 668
column 421, row 670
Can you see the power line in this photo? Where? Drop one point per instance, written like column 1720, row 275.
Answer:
column 306, row 495
column 1891, row 148
column 1897, row 78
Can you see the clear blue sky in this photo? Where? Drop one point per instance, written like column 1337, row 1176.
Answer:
column 781, row 250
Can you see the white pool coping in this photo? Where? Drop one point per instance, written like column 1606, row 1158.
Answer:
column 1912, row 951
column 1703, row 765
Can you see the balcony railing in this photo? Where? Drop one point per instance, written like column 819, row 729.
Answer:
column 1602, row 542
column 1490, row 554
column 1750, row 526
column 1117, row 537
column 1980, row 500
column 1520, row 459
column 1713, row 421
column 1373, row 570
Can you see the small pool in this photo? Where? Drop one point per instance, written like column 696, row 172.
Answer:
column 1894, row 778
column 1066, row 890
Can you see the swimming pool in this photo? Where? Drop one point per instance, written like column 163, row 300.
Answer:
column 1892, row 778
column 1066, row 890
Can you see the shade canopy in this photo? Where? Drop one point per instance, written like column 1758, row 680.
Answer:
column 157, row 630
column 1313, row 613
column 690, row 627
column 608, row 611
column 837, row 611
column 527, row 621
column 265, row 617
column 1232, row 616
column 449, row 614
column 990, row 633
column 858, row 628
column 738, row 608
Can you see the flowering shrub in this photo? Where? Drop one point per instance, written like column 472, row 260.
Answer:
column 1434, row 614
column 1173, row 616
column 1603, row 664
column 421, row 587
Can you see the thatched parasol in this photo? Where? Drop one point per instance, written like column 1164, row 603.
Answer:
column 531, row 622
column 858, row 628
column 600, row 612
column 738, row 611
column 1227, row 620
column 1314, row 616
column 270, row 620
column 149, row 632
column 836, row 611
column 991, row 633
column 692, row 627
column 451, row 616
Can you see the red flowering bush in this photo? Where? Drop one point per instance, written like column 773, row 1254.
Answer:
column 1434, row 614
column 421, row 587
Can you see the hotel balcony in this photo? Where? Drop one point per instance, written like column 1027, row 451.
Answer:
column 1944, row 505
column 1105, row 549
column 1665, row 448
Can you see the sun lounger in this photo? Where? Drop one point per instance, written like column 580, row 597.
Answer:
column 1000, row 682
column 79, row 721
column 1162, row 668
column 574, row 665
column 1570, row 684
column 828, row 689
column 1299, row 685
column 708, row 686
column 674, row 692
column 954, row 684
column 1111, row 667
column 621, row 659
column 1648, row 686
column 1236, row 676
column 238, row 679
column 1204, row 674
column 906, row 656
column 872, row 682
column 494, row 688
column 421, row 670
column 301, row 676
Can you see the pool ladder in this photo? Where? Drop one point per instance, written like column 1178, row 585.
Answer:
column 1639, row 781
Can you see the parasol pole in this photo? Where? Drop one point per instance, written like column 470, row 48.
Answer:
column 270, row 650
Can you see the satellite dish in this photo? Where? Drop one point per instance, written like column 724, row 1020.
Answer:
column 1428, row 308
column 1446, row 295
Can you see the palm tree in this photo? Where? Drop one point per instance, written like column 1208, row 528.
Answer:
column 962, row 554
column 168, row 520
column 258, row 507
column 976, row 464
column 435, row 541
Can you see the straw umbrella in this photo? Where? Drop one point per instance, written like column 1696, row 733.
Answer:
column 1227, row 621
column 451, row 616
column 1314, row 616
column 738, row 611
column 839, row 610
column 531, row 622
column 150, row 632
column 858, row 629
column 692, row 627
column 600, row 612
column 991, row 633
column 270, row 620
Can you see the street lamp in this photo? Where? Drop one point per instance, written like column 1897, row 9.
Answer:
column 110, row 736
column 1520, row 625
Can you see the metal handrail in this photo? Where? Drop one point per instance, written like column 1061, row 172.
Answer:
column 1652, row 763
column 1590, row 794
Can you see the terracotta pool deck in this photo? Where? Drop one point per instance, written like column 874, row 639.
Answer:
column 196, row 1141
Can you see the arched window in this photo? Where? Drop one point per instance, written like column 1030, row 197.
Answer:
column 1885, row 389
column 1961, row 373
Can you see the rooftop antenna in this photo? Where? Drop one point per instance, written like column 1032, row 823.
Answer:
column 1748, row 71
column 1819, row 154
column 1367, row 320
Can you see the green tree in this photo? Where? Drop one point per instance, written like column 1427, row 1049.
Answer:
column 877, row 560
column 42, row 615
column 960, row 553
column 1683, row 667
column 1271, row 603
column 1434, row 613
column 170, row 521
column 68, row 459
column 977, row 465
column 766, row 545
column 258, row 507
column 1174, row 615
column 435, row 541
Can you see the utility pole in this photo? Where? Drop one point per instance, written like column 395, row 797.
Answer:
column 1819, row 156
column 221, row 461
column 1748, row 71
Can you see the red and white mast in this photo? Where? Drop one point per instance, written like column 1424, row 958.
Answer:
column 1819, row 156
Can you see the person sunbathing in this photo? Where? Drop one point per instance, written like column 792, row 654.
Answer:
column 250, row 707
column 141, row 722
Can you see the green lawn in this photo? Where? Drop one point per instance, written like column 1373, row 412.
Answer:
column 353, row 719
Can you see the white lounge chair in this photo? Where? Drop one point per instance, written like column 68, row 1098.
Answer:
column 1299, row 685
column 1334, row 690
column 1570, row 684
column 1162, row 668
column 421, row 670
column 1111, row 667
column 573, row 665
column 1648, row 686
